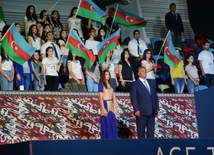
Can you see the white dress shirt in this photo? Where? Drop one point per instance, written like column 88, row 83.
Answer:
column 133, row 49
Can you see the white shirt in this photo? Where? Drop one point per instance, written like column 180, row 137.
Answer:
column 133, row 47
column 207, row 61
column 76, row 24
column 145, row 81
column 76, row 69
column 111, row 69
column 92, row 45
column 6, row 65
column 36, row 43
column 50, row 66
column 49, row 44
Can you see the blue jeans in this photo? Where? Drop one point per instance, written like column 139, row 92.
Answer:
column 36, row 81
column 179, row 85
column 114, row 84
column 27, row 81
column 64, row 59
column 91, row 85
column 5, row 84
column 191, row 86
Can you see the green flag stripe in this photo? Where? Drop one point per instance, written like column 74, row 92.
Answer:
column 169, row 61
column 11, row 53
column 80, row 53
column 91, row 15
column 104, row 52
column 127, row 24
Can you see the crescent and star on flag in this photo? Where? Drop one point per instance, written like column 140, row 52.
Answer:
column 13, row 44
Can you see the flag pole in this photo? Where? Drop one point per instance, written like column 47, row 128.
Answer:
column 68, row 36
column 6, row 32
column 162, row 46
column 114, row 18
column 53, row 6
column 78, row 7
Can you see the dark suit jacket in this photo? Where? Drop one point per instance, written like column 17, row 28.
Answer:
column 172, row 24
column 142, row 100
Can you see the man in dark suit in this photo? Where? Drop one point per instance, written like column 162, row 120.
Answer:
column 174, row 23
column 145, row 102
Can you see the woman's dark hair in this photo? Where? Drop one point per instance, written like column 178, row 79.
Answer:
column 43, row 32
column 3, row 57
column 187, row 57
column 41, row 16
column 91, row 29
column 99, row 37
column 46, row 54
column 56, row 22
column 28, row 14
column 111, row 56
column 4, row 30
column 123, row 55
column 37, row 51
column 70, row 56
column 72, row 11
column 30, row 32
column 144, row 55
column 103, row 80
column 60, row 36
column 17, row 24
column 111, row 12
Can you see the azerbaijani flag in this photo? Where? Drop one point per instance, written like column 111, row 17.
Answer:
column 129, row 19
column 171, row 57
column 16, row 47
column 107, row 44
column 76, row 46
column 88, row 9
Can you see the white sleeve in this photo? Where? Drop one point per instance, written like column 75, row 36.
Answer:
column 132, row 49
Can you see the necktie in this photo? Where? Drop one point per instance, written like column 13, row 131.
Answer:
column 138, row 47
column 56, row 54
column 147, row 87
column 175, row 15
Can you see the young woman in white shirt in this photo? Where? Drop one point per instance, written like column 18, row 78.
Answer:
column 76, row 77
column 74, row 22
column 6, row 71
column 33, row 37
column 51, row 69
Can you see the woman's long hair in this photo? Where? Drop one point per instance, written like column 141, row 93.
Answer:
column 28, row 14
column 41, row 16
column 72, row 11
column 144, row 55
column 103, row 79
column 123, row 55
column 30, row 33
column 56, row 22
